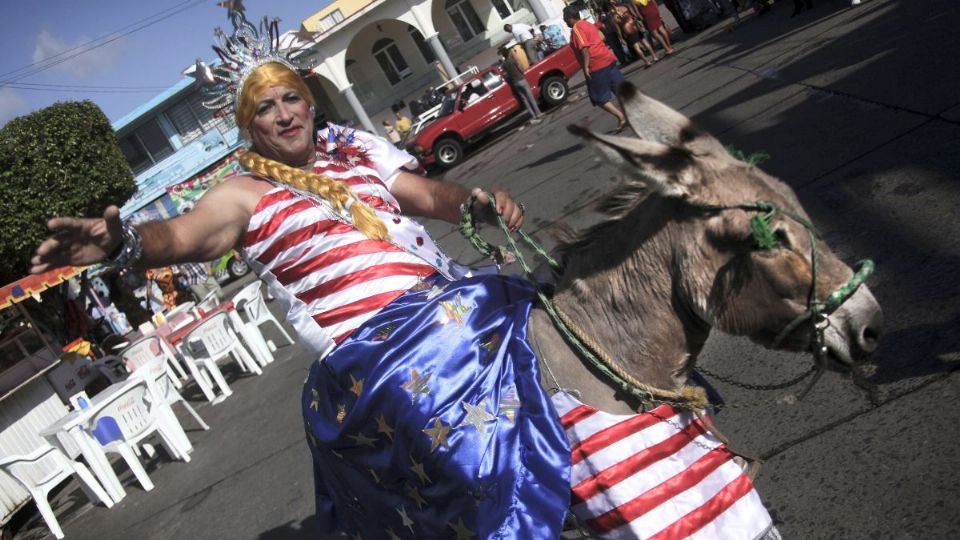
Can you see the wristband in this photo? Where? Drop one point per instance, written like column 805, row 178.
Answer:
column 129, row 250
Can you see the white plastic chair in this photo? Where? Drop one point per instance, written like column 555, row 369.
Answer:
column 247, row 327
column 111, row 367
column 211, row 341
column 142, row 351
column 166, row 387
column 139, row 413
column 30, row 471
column 209, row 302
column 257, row 312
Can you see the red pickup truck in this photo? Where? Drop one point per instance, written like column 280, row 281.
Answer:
column 484, row 101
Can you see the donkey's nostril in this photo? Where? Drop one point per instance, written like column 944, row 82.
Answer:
column 868, row 339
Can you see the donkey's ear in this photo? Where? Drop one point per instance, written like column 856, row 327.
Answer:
column 667, row 169
column 654, row 121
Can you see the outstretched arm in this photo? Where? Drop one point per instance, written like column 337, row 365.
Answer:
column 437, row 199
column 210, row 230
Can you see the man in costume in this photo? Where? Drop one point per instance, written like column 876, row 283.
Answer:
column 423, row 409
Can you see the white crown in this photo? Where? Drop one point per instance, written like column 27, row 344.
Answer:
column 240, row 54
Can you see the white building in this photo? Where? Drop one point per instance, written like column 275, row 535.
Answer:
column 369, row 55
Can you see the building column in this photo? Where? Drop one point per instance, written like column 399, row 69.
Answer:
column 442, row 55
column 358, row 109
column 540, row 11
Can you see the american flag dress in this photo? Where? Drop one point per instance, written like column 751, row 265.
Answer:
column 424, row 413
column 659, row 474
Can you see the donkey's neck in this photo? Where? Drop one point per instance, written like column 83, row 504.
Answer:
column 623, row 291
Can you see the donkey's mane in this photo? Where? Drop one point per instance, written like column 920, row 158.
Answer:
column 614, row 206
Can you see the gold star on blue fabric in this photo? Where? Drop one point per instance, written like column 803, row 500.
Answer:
column 477, row 415
column 438, row 434
column 356, row 387
column 435, row 291
column 314, row 400
column 404, row 518
column 414, row 493
column 463, row 533
column 421, row 285
column 491, row 344
column 383, row 333
column 417, row 384
column 362, row 440
column 384, row 427
column 454, row 311
column 418, row 469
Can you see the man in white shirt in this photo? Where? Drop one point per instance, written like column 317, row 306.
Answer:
column 525, row 35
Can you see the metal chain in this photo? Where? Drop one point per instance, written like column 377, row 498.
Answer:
column 752, row 386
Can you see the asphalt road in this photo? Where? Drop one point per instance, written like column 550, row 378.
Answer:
column 859, row 109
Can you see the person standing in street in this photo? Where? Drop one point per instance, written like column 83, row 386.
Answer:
column 598, row 62
column 552, row 37
column 403, row 124
column 199, row 278
column 649, row 13
column 524, row 34
column 392, row 134
column 514, row 76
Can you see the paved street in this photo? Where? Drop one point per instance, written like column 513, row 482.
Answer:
column 859, row 109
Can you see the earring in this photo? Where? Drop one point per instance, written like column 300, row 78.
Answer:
column 313, row 110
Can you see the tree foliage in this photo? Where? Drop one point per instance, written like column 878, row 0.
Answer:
column 63, row 160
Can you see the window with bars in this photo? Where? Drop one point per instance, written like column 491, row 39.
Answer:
column 464, row 18
column 503, row 7
column 330, row 20
column 146, row 146
column 422, row 46
column 191, row 119
column 391, row 61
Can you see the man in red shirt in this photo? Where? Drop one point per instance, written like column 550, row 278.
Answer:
column 598, row 61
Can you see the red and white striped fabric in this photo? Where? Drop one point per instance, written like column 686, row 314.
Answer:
column 329, row 277
column 658, row 475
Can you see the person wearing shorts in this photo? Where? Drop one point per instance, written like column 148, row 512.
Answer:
column 598, row 62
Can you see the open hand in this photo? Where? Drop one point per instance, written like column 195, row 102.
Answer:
column 78, row 241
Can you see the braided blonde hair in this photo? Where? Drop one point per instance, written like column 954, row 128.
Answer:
column 333, row 191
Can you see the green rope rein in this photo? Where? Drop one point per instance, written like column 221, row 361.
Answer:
column 469, row 229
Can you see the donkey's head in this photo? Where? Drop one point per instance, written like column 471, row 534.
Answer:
column 738, row 268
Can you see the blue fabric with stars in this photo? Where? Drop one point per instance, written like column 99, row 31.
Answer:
column 430, row 422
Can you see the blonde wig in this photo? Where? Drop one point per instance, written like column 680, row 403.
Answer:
column 335, row 192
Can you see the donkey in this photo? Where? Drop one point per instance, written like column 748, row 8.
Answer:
column 675, row 258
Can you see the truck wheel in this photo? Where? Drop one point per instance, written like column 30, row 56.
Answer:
column 554, row 90
column 448, row 152
column 238, row 268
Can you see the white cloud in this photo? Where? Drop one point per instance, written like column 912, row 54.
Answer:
column 89, row 63
column 11, row 105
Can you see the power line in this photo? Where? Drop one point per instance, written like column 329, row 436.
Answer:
column 85, row 90
column 59, row 58
column 85, row 86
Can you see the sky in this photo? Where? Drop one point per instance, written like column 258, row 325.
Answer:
column 117, row 53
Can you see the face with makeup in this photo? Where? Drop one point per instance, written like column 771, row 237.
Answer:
column 282, row 126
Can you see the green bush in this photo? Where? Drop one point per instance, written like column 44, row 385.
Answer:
column 59, row 161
